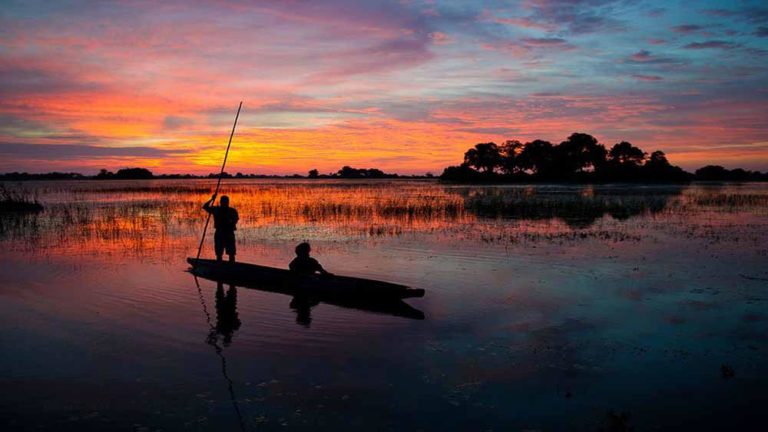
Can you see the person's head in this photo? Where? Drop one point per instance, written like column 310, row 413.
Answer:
column 303, row 249
column 224, row 201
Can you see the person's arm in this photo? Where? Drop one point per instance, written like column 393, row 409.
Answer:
column 207, row 205
column 319, row 268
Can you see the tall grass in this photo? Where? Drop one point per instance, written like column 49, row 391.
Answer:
column 131, row 217
column 18, row 201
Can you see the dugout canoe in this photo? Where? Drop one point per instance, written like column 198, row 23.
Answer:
column 284, row 281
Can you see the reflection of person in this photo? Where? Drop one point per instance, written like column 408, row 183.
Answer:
column 225, row 223
column 303, row 263
column 303, row 307
column 227, row 320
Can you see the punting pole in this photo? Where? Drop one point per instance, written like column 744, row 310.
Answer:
column 218, row 183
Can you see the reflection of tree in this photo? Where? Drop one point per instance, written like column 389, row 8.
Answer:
column 576, row 208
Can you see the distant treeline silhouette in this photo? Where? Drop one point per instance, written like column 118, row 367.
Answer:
column 580, row 158
column 346, row 172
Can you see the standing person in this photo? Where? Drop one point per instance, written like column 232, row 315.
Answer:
column 225, row 223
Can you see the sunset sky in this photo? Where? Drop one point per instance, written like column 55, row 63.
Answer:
column 405, row 86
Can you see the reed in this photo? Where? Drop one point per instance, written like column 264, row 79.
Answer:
column 18, row 201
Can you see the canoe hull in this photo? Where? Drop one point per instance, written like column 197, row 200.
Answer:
column 287, row 282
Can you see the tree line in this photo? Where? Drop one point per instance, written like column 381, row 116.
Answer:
column 580, row 158
column 345, row 172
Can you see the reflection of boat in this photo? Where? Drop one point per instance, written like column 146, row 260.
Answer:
column 350, row 292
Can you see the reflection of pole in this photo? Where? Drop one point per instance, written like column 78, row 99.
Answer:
column 218, row 183
column 211, row 340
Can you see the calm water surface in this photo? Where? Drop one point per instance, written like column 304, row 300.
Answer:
column 547, row 308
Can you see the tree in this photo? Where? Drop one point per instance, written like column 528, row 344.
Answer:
column 348, row 172
column 313, row 174
column 510, row 152
column 580, row 152
column 657, row 159
column 104, row 174
column 461, row 173
column 134, row 173
column 713, row 173
column 483, row 157
column 536, row 156
column 658, row 168
column 624, row 153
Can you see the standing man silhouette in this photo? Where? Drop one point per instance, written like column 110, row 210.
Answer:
column 225, row 223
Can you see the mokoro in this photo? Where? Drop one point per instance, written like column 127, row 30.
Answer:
column 319, row 286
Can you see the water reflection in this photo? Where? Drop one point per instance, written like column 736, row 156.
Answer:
column 227, row 320
column 578, row 207
column 303, row 305
column 226, row 323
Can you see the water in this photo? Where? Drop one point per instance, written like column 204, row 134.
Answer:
column 548, row 308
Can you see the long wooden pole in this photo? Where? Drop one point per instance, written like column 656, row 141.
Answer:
column 218, row 183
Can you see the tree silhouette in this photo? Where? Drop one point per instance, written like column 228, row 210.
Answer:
column 624, row 153
column 313, row 174
column 579, row 158
column 580, row 152
column 510, row 152
column 712, row 173
column 537, row 157
column 484, row 157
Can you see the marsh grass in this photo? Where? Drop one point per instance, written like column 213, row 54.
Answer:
column 129, row 217
column 18, row 201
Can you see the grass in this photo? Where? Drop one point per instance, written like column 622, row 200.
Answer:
column 167, row 215
column 18, row 201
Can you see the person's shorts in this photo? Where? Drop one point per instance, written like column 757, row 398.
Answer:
column 224, row 241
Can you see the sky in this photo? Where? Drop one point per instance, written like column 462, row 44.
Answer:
column 405, row 86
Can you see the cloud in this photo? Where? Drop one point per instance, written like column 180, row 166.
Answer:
column 712, row 44
column 577, row 16
column 25, row 78
column 544, row 41
column 646, row 57
column 687, row 28
column 440, row 38
column 641, row 77
column 719, row 12
column 761, row 32
column 74, row 151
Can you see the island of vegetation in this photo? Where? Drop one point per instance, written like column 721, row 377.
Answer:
column 582, row 159
column 579, row 159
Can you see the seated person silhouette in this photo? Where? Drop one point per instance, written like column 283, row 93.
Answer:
column 304, row 264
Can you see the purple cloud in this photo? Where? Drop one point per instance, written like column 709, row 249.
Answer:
column 576, row 16
column 711, row 44
column 687, row 28
column 641, row 77
column 74, row 151
column 646, row 57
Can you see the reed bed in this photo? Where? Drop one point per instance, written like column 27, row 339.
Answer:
column 18, row 201
column 150, row 215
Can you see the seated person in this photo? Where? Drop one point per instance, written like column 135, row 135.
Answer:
column 303, row 263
